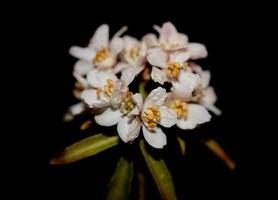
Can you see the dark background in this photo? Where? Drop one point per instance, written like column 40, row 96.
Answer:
column 50, row 29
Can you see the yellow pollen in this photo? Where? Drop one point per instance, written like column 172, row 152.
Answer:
column 98, row 92
column 173, row 70
column 181, row 108
column 108, row 88
column 100, row 55
column 127, row 103
column 151, row 116
column 134, row 53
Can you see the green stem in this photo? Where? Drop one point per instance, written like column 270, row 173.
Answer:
column 142, row 90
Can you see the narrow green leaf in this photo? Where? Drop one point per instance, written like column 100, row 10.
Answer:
column 141, row 185
column 182, row 145
column 121, row 181
column 160, row 173
column 215, row 147
column 85, row 148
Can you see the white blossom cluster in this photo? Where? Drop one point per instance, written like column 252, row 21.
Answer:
column 106, row 68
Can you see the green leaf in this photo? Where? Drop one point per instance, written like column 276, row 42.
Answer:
column 182, row 145
column 160, row 173
column 215, row 147
column 141, row 185
column 85, row 148
column 121, row 181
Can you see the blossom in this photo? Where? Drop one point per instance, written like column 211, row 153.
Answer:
column 170, row 39
column 205, row 94
column 133, row 58
column 150, row 114
column 189, row 113
column 108, row 96
column 166, row 67
column 106, row 68
column 100, row 53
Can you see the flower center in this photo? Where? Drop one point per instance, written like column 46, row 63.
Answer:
column 108, row 88
column 180, row 107
column 100, row 55
column 151, row 116
column 134, row 52
column 127, row 104
column 173, row 70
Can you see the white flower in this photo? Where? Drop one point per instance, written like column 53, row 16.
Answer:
column 171, row 39
column 166, row 67
column 185, row 84
column 133, row 59
column 100, row 52
column 205, row 94
column 149, row 115
column 189, row 114
column 109, row 97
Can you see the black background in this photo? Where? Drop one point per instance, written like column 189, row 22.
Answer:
column 49, row 31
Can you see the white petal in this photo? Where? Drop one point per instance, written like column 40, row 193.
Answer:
column 109, row 117
column 187, row 82
column 168, row 32
column 129, row 74
column 155, row 137
column 77, row 109
column 214, row 109
column 182, row 40
column 197, row 50
column 83, row 67
column 86, row 54
column 157, row 28
column 120, row 32
column 98, row 78
column 116, row 45
column 156, row 97
column 83, row 81
column 129, row 129
column 120, row 67
column 158, row 75
column 100, row 38
column 150, row 40
column 138, row 99
column 181, row 91
column 157, row 57
column 209, row 96
column 90, row 98
column 180, row 57
column 209, row 99
column 130, row 42
column 204, row 74
column 143, row 51
column 197, row 114
column 168, row 117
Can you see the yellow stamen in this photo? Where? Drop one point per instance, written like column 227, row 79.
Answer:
column 108, row 88
column 100, row 55
column 127, row 103
column 173, row 70
column 151, row 116
column 98, row 92
column 180, row 107
column 134, row 53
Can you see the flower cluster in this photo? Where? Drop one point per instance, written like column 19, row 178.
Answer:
column 106, row 68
